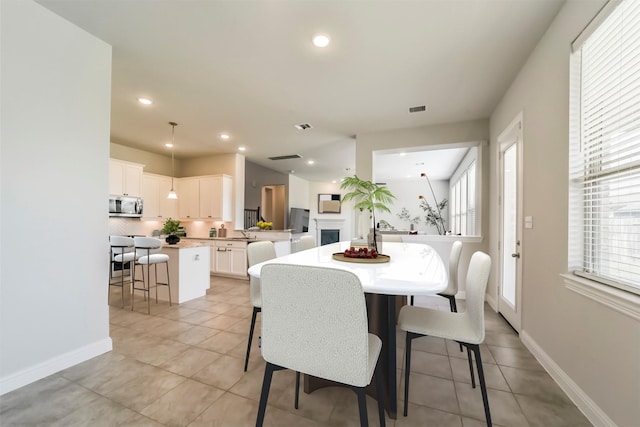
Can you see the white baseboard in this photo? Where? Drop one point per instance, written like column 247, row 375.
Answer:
column 51, row 366
column 588, row 407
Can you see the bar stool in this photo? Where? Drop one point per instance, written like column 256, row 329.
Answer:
column 148, row 253
column 122, row 252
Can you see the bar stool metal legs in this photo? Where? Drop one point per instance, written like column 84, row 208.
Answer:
column 148, row 253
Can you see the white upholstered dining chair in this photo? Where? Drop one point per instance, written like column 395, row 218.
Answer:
column 314, row 321
column 467, row 328
column 257, row 252
column 307, row 242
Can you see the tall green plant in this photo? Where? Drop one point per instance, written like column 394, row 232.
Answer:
column 367, row 195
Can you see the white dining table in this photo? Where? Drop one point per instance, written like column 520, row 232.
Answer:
column 413, row 269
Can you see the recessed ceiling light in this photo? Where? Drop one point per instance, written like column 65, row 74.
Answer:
column 241, row 148
column 333, row 182
column 225, row 136
column 321, row 40
column 168, row 145
column 403, row 154
column 145, row 101
column 310, row 162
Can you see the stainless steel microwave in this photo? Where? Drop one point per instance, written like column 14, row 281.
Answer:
column 126, row 206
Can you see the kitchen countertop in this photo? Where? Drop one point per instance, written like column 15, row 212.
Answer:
column 233, row 239
column 182, row 244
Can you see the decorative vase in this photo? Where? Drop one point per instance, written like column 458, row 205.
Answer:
column 172, row 239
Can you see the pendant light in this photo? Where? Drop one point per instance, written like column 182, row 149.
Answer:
column 172, row 194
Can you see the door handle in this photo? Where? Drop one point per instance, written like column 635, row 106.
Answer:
column 516, row 255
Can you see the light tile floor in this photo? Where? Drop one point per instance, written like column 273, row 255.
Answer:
column 183, row 366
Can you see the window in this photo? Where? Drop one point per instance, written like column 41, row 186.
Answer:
column 463, row 204
column 604, row 223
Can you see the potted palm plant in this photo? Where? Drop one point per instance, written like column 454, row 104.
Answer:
column 367, row 196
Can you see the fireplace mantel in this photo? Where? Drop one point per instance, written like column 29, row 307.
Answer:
column 329, row 224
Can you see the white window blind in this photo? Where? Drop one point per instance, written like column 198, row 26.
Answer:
column 605, row 151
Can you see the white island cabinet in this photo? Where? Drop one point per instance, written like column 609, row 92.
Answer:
column 188, row 271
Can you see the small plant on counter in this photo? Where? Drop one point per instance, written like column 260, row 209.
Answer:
column 170, row 226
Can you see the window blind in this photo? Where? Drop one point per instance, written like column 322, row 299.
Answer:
column 605, row 161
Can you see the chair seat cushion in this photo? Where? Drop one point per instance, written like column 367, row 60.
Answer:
column 438, row 323
column 127, row 257
column 153, row 259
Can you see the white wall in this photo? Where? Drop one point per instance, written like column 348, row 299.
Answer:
column 592, row 350
column 55, row 94
column 298, row 193
column 346, row 209
column 407, row 192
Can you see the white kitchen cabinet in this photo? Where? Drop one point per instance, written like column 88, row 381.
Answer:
column 230, row 258
column 206, row 197
column 189, row 198
column 155, row 189
column 125, row 178
column 215, row 197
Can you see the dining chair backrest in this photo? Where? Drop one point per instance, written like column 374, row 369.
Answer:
column 476, row 285
column 314, row 321
column 454, row 263
column 147, row 246
column 307, row 242
column 258, row 252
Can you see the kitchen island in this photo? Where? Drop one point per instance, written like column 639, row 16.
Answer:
column 188, row 271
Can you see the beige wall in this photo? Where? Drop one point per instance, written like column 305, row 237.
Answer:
column 596, row 347
column 54, row 176
column 208, row 165
column 153, row 163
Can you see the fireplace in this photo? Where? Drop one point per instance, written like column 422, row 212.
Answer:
column 329, row 236
column 329, row 230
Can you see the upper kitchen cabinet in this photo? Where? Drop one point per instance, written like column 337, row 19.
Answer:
column 206, row 197
column 154, row 195
column 189, row 198
column 125, row 178
column 215, row 197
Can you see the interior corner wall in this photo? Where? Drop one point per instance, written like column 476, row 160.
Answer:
column 55, row 104
column 257, row 176
column 593, row 347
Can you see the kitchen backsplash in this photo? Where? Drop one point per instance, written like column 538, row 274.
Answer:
column 135, row 226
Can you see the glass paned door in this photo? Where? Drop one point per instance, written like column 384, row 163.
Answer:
column 509, row 230
column 510, row 263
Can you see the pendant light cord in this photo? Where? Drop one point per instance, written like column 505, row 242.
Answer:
column 173, row 130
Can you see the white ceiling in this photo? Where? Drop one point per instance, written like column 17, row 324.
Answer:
column 248, row 68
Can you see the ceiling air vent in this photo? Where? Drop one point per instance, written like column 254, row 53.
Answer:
column 417, row 109
column 303, row 126
column 290, row 156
